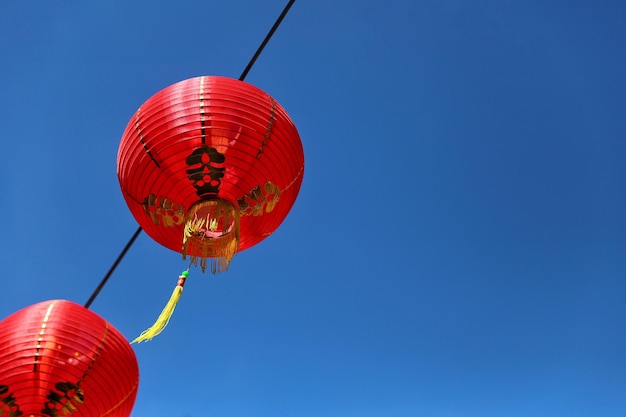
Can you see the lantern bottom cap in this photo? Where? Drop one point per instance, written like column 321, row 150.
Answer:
column 211, row 231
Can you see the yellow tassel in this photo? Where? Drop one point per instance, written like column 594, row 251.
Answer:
column 166, row 314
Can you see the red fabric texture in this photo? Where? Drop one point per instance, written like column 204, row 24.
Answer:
column 58, row 358
column 235, row 141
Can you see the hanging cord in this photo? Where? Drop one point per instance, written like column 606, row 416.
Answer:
column 117, row 261
column 266, row 40
column 241, row 78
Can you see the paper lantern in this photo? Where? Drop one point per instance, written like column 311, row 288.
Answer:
column 59, row 359
column 210, row 166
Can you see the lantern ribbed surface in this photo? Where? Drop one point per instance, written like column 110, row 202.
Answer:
column 59, row 359
column 207, row 139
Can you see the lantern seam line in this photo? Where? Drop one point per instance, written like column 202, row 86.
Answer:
column 97, row 355
column 133, row 389
column 140, row 135
column 268, row 130
column 294, row 180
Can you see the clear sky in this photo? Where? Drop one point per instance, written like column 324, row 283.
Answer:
column 458, row 247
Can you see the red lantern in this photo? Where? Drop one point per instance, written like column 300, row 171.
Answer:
column 59, row 359
column 210, row 166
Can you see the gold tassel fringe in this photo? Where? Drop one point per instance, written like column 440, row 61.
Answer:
column 211, row 231
column 166, row 314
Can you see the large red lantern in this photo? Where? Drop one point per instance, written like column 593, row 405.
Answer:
column 59, row 359
column 210, row 166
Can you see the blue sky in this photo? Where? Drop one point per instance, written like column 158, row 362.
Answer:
column 458, row 245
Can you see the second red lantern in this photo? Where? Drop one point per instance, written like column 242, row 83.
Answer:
column 59, row 359
column 210, row 166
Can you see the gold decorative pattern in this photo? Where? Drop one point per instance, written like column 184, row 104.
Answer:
column 206, row 171
column 8, row 404
column 63, row 400
column 259, row 200
column 263, row 200
column 164, row 211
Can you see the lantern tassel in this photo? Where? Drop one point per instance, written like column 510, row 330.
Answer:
column 164, row 318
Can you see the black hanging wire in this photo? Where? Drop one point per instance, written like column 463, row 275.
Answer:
column 266, row 40
column 241, row 78
column 117, row 261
